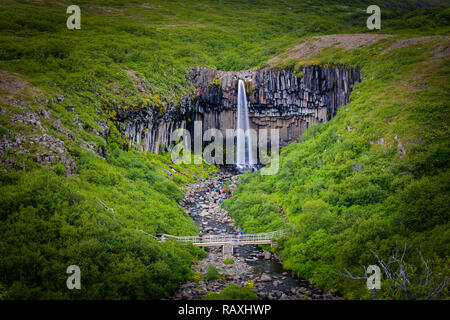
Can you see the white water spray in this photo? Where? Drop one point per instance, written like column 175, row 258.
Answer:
column 244, row 154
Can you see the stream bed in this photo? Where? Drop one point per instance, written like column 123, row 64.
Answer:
column 263, row 269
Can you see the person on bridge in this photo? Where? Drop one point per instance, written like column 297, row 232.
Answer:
column 200, row 236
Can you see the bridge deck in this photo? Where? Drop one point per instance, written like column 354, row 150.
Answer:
column 232, row 243
column 229, row 239
column 225, row 239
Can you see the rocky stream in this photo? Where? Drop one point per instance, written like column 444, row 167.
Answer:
column 202, row 203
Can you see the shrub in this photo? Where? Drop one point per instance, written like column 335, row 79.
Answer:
column 212, row 273
column 228, row 261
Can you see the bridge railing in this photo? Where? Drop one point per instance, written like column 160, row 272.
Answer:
column 252, row 237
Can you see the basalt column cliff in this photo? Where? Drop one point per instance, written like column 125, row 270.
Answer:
column 285, row 99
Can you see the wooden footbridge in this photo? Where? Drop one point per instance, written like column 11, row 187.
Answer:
column 227, row 241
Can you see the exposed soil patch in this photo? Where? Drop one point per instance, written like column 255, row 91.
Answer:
column 12, row 87
column 314, row 46
column 441, row 51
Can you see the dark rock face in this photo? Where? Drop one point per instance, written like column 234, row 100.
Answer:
column 278, row 99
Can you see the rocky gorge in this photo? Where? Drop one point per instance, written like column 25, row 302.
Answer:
column 250, row 264
column 290, row 100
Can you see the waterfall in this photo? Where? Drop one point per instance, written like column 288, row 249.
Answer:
column 244, row 156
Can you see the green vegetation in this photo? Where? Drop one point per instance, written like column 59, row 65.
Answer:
column 161, row 40
column 212, row 273
column 136, row 54
column 49, row 222
column 372, row 179
column 233, row 292
column 228, row 261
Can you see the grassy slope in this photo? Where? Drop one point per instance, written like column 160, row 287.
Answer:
column 161, row 40
column 49, row 221
column 373, row 178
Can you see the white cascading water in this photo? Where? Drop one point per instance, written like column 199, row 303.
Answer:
column 244, row 156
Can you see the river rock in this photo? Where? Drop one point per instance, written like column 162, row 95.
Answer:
column 265, row 277
column 230, row 277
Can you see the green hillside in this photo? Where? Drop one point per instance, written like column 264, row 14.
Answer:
column 374, row 178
